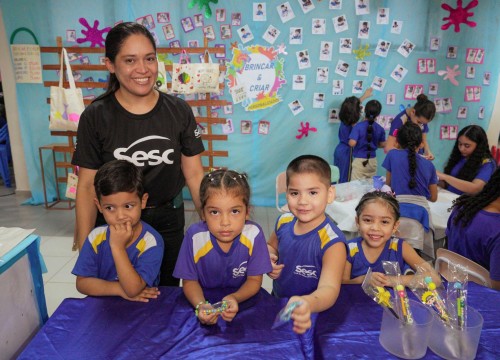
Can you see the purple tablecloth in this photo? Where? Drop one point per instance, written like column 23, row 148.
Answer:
column 166, row 328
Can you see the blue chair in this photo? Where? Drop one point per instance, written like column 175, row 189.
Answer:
column 5, row 156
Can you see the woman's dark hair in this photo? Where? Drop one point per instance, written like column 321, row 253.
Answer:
column 410, row 137
column 114, row 41
column 310, row 164
column 424, row 107
column 472, row 165
column 389, row 200
column 229, row 181
column 350, row 110
column 118, row 176
column 469, row 205
column 372, row 110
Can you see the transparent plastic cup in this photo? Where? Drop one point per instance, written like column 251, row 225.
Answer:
column 455, row 343
column 407, row 341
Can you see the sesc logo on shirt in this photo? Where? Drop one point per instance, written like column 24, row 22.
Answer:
column 140, row 157
column 240, row 271
column 307, row 271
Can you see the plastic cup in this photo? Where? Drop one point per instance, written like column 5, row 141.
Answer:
column 452, row 343
column 407, row 341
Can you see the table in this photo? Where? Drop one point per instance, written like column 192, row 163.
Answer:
column 344, row 213
column 22, row 299
column 113, row 328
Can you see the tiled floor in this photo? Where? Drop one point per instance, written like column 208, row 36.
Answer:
column 56, row 230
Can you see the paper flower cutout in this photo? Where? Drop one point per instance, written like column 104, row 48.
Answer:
column 304, row 130
column 450, row 74
column 362, row 52
column 281, row 49
column 203, row 4
column 93, row 34
column 459, row 15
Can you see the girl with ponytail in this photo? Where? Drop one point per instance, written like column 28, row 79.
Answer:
column 408, row 173
column 421, row 114
column 365, row 137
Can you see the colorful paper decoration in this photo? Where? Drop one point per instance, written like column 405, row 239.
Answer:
column 203, row 4
column 362, row 52
column 459, row 15
column 304, row 130
column 450, row 74
column 93, row 34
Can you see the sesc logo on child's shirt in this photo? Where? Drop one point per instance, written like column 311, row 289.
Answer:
column 240, row 271
column 307, row 271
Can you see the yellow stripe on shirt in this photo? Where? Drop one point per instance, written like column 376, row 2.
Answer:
column 353, row 248
column 97, row 236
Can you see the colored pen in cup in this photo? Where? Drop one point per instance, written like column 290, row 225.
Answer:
column 438, row 303
column 460, row 304
column 405, row 308
column 383, row 298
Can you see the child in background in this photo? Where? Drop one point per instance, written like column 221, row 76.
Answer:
column 306, row 248
column 407, row 172
column 122, row 258
column 421, row 114
column 225, row 250
column 470, row 165
column 473, row 228
column 377, row 217
column 365, row 137
column 349, row 114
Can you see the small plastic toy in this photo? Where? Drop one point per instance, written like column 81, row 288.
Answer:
column 218, row 307
column 285, row 314
column 405, row 304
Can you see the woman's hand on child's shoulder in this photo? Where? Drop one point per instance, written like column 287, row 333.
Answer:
column 232, row 308
column 380, row 279
column 301, row 315
column 144, row 296
column 276, row 272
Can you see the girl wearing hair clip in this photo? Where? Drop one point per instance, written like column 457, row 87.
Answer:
column 225, row 250
column 377, row 218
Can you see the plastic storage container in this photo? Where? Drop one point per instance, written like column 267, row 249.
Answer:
column 407, row 341
column 455, row 343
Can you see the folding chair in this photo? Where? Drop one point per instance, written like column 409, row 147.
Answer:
column 281, row 189
column 477, row 273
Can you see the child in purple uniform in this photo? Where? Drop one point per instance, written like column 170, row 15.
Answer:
column 226, row 250
column 365, row 137
column 470, row 165
column 474, row 228
column 349, row 114
column 306, row 248
column 377, row 217
column 408, row 173
column 122, row 258
column 421, row 114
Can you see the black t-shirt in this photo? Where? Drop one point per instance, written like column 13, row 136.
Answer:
column 153, row 141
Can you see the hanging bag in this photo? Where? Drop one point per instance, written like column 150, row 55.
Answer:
column 194, row 78
column 66, row 105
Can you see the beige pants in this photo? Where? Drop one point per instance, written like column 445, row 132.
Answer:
column 363, row 172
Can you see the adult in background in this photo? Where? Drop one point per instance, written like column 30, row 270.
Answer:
column 155, row 131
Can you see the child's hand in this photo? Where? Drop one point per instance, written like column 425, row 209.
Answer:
column 301, row 315
column 380, row 279
column 429, row 156
column 276, row 272
column 146, row 294
column 207, row 319
column 232, row 308
column 120, row 234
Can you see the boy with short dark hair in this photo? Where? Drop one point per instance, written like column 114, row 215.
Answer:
column 121, row 258
column 306, row 248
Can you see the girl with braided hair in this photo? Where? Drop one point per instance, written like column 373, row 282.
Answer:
column 421, row 114
column 349, row 114
column 470, row 165
column 408, row 173
column 365, row 137
column 473, row 228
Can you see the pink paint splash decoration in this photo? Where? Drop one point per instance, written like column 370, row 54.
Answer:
column 93, row 34
column 459, row 15
column 304, row 130
column 450, row 74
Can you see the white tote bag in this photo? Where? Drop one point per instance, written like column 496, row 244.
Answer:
column 195, row 78
column 66, row 105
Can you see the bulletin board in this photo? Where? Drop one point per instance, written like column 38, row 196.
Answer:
column 306, row 57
